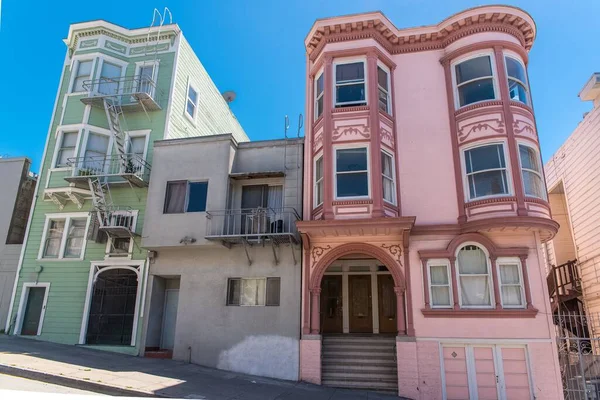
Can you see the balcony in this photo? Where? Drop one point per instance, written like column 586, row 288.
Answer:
column 118, row 222
column 135, row 93
column 564, row 284
column 117, row 168
column 250, row 226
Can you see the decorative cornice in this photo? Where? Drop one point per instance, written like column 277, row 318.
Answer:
column 349, row 109
column 351, row 202
column 504, row 199
column 475, row 106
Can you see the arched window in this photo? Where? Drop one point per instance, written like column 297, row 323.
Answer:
column 474, row 281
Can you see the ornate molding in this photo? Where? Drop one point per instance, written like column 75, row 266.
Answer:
column 527, row 127
column 351, row 202
column 351, row 129
column 317, row 252
column 395, row 250
column 504, row 199
column 386, row 135
column 479, row 126
column 475, row 106
column 348, row 109
column 75, row 198
column 56, row 200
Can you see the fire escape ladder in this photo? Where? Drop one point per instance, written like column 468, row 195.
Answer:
column 114, row 113
column 101, row 198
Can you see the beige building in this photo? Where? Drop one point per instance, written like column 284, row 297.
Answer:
column 15, row 201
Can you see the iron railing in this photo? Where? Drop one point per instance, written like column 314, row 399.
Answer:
column 128, row 89
column 252, row 223
column 126, row 166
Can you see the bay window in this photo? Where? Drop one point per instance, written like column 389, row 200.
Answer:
column 517, row 80
column 110, row 74
column 383, row 85
column 319, row 93
column 387, row 175
column 474, row 279
column 350, row 89
column 440, row 292
column 66, row 150
column 75, row 236
column 253, row 291
column 511, row 283
column 531, row 171
column 474, row 79
column 351, row 173
column 84, row 73
column 485, row 168
column 96, row 150
column 53, row 238
column 319, row 181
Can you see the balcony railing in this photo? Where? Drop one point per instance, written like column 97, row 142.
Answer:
column 564, row 282
column 131, row 167
column 253, row 225
column 118, row 221
column 131, row 91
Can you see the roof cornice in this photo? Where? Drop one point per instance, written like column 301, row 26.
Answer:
column 375, row 25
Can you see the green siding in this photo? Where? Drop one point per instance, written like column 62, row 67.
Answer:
column 74, row 109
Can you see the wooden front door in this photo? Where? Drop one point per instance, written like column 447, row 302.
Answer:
column 387, row 304
column 359, row 292
column 33, row 310
column 331, row 304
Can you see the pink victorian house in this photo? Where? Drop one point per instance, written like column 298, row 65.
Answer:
column 425, row 209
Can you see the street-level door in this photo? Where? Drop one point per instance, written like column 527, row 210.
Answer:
column 331, row 304
column 360, row 304
column 387, row 304
column 33, row 310
column 167, row 339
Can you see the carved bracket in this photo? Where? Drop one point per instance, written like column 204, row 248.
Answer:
column 76, row 198
column 56, row 200
column 317, row 252
column 395, row 250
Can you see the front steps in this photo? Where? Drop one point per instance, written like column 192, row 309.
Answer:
column 359, row 362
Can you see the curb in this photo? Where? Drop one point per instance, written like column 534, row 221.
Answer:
column 73, row 383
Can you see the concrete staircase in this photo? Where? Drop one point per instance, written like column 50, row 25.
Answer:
column 359, row 362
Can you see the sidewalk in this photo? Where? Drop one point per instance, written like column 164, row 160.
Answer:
column 118, row 374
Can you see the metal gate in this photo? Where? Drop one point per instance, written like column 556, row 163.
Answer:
column 579, row 354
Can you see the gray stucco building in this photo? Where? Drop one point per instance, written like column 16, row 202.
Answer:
column 18, row 186
column 224, row 278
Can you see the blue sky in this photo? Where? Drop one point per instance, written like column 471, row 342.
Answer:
column 256, row 48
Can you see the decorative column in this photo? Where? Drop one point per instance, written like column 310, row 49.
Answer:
column 315, row 314
column 375, row 148
column 400, row 310
column 425, row 284
column 327, row 140
column 497, row 299
column 410, row 325
column 526, row 282
column 512, row 143
column 454, row 283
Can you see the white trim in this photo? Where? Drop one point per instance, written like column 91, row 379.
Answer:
column 511, row 261
column 112, row 256
column 138, row 133
column 343, row 61
column 494, row 76
column 314, row 199
column 191, row 118
column 389, row 88
column 23, row 305
column 471, row 373
column 507, row 169
column 489, row 277
column 347, row 147
column 155, row 65
column 111, row 60
column 60, row 132
column 113, row 264
column 442, row 371
column 316, row 98
column 32, row 207
column 393, row 178
column 517, row 58
column 73, row 69
column 67, row 217
column 436, row 263
column 538, row 173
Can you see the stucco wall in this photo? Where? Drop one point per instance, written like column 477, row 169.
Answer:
column 255, row 340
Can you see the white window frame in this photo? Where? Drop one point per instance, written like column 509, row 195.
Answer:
column 344, row 61
column 192, row 118
column 539, row 174
column 507, row 168
column 264, row 294
column 318, row 97
column 84, row 143
column 58, row 144
column 467, row 58
column 388, row 91
column 511, row 261
column 108, row 255
column 155, row 64
column 320, row 181
column 348, row 147
column 75, row 68
column 392, row 178
column 515, row 57
column 63, row 242
column 437, row 263
column 489, row 276
column 102, row 58
column 135, row 134
column 23, row 305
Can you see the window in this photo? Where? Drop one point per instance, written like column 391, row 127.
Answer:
column 96, row 151
column 350, row 84
column 319, row 96
column 146, row 79
column 84, row 73
column 253, row 291
column 439, row 284
column 66, row 149
column 486, row 171
column 383, row 85
column 517, row 80
column 474, row 277
column 531, row 170
column 191, row 103
column 118, row 247
column 474, row 80
column 136, row 149
column 319, row 181
column 387, row 174
column 511, row 286
column 64, row 237
column 351, row 172
column 184, row 196
column 110, row 75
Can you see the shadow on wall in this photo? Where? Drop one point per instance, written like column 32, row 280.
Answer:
column 266, row 355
